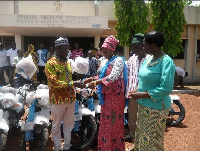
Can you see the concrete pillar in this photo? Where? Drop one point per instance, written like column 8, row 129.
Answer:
column 195, row 51
column 187, row 59
column 19, row 40
column 96, row 41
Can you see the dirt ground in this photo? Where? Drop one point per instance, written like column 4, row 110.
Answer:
column 181, row 138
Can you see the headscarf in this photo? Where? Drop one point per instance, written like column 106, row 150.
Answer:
column 110, row 43
column 32, row 48
column 138, row 38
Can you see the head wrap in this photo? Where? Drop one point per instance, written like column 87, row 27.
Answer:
column 110, row 43
column 30, row 49
column 138, row 38
column 61, row 41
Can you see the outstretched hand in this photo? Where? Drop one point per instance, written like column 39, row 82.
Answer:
column 88, row 80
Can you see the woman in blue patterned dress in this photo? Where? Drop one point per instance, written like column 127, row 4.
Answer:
column 156, row 78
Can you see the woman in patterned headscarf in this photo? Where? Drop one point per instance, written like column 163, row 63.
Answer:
column 34, row 57
column 111, row 87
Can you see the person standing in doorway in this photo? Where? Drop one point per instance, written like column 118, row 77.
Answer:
column 31, row 51
column 11, row 53
column 133, row 66
column 76, row 52
column 42, row 55
column 93, row 64
column 61, row 94
column 4, row 66
column 51, row 53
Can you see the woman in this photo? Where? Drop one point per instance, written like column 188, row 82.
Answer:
column 111, row 87
column 156, row 78
column 34, row 57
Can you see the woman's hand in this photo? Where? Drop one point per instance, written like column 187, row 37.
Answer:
column 138, row 95
column 88, row 80
column 79, row 84
column 92, row 84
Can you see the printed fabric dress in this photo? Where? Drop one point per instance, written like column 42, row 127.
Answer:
column 111, row 129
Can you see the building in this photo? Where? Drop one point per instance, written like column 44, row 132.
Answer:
column 84, row 22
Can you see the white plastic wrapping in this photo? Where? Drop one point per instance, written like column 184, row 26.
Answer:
column 43, row 96
column 42, row 117
column 26, row 67
column 6, row 89
column 73, row 65
column 4, row 123
column 30, row 97
column 82, row 65
column 9, row 100
column 42, row 86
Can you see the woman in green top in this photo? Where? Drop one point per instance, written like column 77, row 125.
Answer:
column 156, row 79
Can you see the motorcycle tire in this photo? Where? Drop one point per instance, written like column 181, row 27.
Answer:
column 176, row 115
column 23, row 142
column 86, row 136
column 3, row 139
column 44, row 139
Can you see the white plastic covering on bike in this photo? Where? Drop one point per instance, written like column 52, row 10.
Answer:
column 6, row 89
column 42, row 117
column 42, row 94
column 73, row 65
column 9, row 100
column 27, row 126
column 30, row 97
column 4, row 123
column 26, row 67
column 82, row 65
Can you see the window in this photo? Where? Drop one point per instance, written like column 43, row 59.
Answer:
column 182, row 54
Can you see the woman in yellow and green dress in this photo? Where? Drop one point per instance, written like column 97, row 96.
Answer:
column 156, row 79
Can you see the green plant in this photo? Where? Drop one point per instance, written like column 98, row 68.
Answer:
column 168, row 18
column 131, row 18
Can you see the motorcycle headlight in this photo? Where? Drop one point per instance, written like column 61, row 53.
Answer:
column 7, row 103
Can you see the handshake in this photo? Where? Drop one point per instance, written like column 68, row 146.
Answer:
column 88, row 82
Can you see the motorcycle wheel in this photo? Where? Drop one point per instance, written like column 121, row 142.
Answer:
column 3, row 139
column 85, row 137
column 176, row 114
column 40, row 141
column 44, row 139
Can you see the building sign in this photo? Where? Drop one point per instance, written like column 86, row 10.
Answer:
column 54, row 21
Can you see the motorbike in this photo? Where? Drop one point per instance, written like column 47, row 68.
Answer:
column 35, row 127
column 11, row 110
column 85, row 127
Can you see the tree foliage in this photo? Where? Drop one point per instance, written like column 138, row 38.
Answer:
column 168, row 18
column 131, row 18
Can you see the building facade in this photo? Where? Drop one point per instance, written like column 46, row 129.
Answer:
column 84, row 22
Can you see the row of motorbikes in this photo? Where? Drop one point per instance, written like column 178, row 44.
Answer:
column 36, row 126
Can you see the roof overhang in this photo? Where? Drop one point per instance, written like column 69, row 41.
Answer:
column 54, row 25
